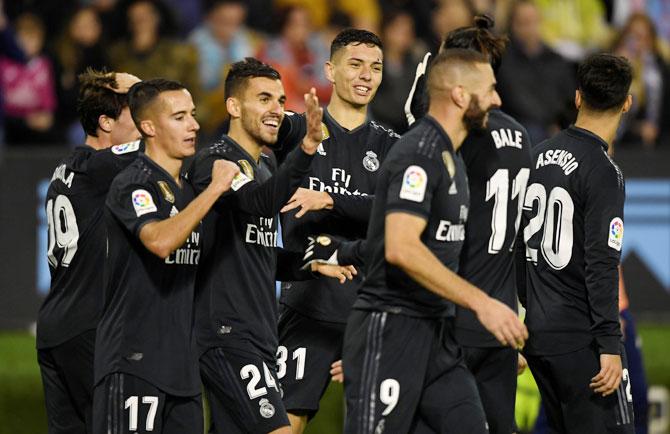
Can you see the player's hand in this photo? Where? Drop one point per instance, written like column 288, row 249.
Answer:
column 521, row 364
column 223, row 173
column 336, row 372
column 314, row 115
column 308, row 200
column 124, row 82
column 502, row 322
column 608, row 379
column 321, row 249
column 339, row 272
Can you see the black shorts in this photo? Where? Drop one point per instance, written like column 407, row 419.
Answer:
column 123, row 403
column 571, row 405
column 495, row 371
column 307, row 348
column 243, row 391
column 67, row 376
column 401, row 372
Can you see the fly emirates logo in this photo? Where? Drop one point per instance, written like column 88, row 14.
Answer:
column 339, row 183
column 188, row 253
column 262, row 234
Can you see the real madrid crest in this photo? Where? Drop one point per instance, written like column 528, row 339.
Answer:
column 246, row 168
column 165, row 189
column 449, row 163
column 370, row 161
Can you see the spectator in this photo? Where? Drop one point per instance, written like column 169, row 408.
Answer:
column 148, row 50
column 536, row 85
column 298, row 53
column 364, row 14
column 28, row 89
column 10, row 49
column 76, row 49
column 401, row 54
column 637, row 41
column 449, row 15
column 574, row 27
column 220, row 40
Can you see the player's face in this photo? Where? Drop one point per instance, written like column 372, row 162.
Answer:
column 262, row 109
column 356, row 72
column 174, row 121
column 483, row 98
column 124, row 130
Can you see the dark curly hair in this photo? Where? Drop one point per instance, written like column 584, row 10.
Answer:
column 603, row 80
column 479, row 37
column 356, row 37
column 240, row 72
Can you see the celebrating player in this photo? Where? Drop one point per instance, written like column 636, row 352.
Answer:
column 68, row 317
column 573, row 231
column 146, row 370
column 341, row 183
column 401, row 362
column 498, row 165
column 236, row 302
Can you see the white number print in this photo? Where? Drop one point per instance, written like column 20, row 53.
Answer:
column 626, row 379
column 497, row 188
column 554, row 217
column 132, row 405
column 255, row 374
column 389, row 393
column 299, row 355
column 63, row 230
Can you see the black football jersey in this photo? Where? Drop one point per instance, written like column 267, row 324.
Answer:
column 498, row 166
column 76, row 250
column 346, row 166
column 236, row 295
column 572, row 225
column 422, row 175
column 146, row 328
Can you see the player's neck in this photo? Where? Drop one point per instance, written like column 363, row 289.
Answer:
column 603, row 125
column 98, row 143
column 246, row 142
column 170, row 164
column 346, row 115
column 452, row 123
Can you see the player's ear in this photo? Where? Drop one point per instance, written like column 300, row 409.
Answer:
column 147, row 128
column 234, row 107
column 105, row 123
column 628, row 103
column 328, row 70
column 578, row 99
column 459, row 96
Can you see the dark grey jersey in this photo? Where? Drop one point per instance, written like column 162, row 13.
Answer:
column 572, row 225
column 423, row 176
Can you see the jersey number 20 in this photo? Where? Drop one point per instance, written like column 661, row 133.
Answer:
column 63, row 230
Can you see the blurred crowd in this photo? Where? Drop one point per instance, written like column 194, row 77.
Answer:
column 45, row 44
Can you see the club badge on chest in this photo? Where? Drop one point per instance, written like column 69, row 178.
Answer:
column 370, row 161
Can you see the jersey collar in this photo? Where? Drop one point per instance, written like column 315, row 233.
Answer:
column 436, row 125
column 332, row 121
column 158, row 168
column 588, row 135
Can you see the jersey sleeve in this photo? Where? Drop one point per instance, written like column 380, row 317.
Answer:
column 289, row 267
column 412, row 184
column 291, row 132
column 247, row 194
column 134, row 205
column 603, row 231
column 354, row 207
column 107, row 163
column 352, row 253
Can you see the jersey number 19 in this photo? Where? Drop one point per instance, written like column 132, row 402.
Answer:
column 63, row 230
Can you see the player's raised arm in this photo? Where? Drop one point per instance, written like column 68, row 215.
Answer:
column 163, row 237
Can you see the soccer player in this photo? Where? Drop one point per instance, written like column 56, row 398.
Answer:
column 498, row 163
column 573, row 231
column 401, row 362
column 341, row 186
column 236, row 301
column 146, row 370
column 75, row 200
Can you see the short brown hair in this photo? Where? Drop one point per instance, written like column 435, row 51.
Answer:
column 96, row 98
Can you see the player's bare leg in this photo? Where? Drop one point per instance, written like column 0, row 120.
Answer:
column 282, row 430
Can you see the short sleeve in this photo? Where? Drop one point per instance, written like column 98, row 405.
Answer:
column 412, row 184
column 107, row 163
column 134, row 205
